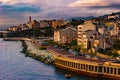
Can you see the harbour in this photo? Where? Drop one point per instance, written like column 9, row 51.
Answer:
column 15, row 66
column 69, row 62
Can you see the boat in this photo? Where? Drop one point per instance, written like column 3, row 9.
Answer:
column 68, row 76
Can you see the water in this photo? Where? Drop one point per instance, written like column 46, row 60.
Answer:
column 15, row 66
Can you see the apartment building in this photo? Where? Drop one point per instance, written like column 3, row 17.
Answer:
column 82, row 34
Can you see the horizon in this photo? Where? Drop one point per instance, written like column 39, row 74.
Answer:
column 15, row 12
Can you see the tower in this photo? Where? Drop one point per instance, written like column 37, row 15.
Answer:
column 29, row 19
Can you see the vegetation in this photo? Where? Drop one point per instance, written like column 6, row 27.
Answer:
column 42, row 48
column 66, row 46
column 34, row 32
column 100, row 51
column 116, row 45
column 76, row 48
column 109, row 52
column 76, row 22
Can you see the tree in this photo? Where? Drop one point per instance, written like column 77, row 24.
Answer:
column 75, row 22
column 74, row 43
column 116, row 45
column 76, row 48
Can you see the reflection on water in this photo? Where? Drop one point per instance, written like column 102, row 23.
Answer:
column 15, row 66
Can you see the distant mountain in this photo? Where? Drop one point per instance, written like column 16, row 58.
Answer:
column 105, row 15
column 91, row 17
column 82, row 18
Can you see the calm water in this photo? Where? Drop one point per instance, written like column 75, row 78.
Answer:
column 15, row 66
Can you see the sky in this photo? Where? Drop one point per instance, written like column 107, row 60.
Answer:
column 14, row 12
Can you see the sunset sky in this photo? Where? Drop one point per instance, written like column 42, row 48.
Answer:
column 17, row 11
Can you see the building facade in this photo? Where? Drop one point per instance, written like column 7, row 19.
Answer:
column 82, row 34
column 66, row 35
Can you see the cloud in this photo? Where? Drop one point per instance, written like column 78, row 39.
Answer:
column 113, row 6
column 96, row 7
column 16, row 11
column 21, row 8
column 14, row 2
column 94, row 3
column 87, row 3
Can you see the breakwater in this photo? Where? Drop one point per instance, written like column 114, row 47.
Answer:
column 42, row 55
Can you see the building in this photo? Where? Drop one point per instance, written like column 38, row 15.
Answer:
column 12, row 28
column 57, row 36
column 113, row 16
column 114, row 30
column 44, row 23
column 33, row 24
column 101, row 30
column 104, row 42
column 66, row 35
column 29, row 19
column 81, row 32
column 58, row 23
column 86, row 40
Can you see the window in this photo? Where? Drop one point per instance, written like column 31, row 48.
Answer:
column 104, row 69
column 89, row 67
column 79, row 66
column 80, row 41
column 118, row 71
column 74, row 65
column 114, row 70
column 92, row 68
column 96, row 67
column 100, row 68
column 111, row 69
column 107, row 69
column 83, row 66
column 70, row 64
column 86, row 67
column 80, row 27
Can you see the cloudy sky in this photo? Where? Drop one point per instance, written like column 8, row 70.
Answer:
column 17, row 11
